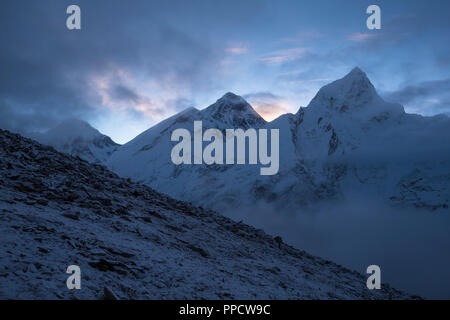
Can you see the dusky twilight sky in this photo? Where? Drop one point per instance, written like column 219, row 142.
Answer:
column 134, row 63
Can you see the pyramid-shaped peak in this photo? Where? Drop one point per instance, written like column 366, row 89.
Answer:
column 353, row 90
column 355, row 82
column 357, row 72
column 230, row 95
column 234, row 109
column 357, row 76
column 231, row 102
column 232, row 98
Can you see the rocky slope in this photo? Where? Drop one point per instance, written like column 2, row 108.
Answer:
column 132, row 242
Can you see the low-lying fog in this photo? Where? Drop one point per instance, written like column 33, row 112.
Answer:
column 412, row 247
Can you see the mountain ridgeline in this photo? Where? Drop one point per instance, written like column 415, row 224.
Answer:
column 346, row 148
column 348, row 142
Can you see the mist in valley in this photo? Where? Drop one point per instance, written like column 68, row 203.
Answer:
column 411, row 246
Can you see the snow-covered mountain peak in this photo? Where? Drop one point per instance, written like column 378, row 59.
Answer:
column 73, row 129
column 356, row 81
column 357, row 72
column 352, row 91
column 78, row 138
column 352, row 96
column 311, row 142
column 230, row 96
column 234, row 111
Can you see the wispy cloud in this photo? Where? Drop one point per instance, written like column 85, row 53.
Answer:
column 358, row 36
column 268, row 105
column 281, row 56
column 301, row 76
column 320, row 80
column 304, row 36
column 120, row 92
column 239, row 48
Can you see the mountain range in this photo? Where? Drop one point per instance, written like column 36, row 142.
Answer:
column 348, row 146
column 348, row 142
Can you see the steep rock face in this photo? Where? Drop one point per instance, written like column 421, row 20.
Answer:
column 346, row 143
column 78, row 138
column 132, row 242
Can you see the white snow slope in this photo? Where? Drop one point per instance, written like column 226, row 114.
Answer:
column 134, row 243
column 78, row 138
column 348, row 142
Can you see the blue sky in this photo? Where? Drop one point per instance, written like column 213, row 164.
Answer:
column 134, row 63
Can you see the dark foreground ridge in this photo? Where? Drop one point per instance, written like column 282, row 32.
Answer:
column 132, row 242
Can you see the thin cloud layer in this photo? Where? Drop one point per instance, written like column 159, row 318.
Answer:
column 428, row 97
column 358, row 36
